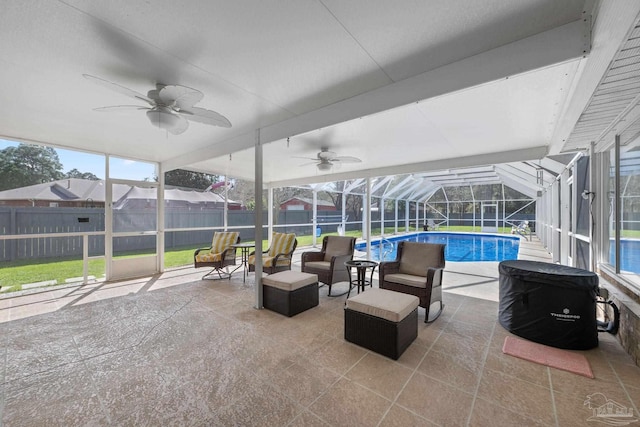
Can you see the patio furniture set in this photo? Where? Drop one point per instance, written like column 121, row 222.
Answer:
column 383, row 320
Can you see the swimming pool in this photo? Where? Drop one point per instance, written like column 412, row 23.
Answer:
column 461, row 247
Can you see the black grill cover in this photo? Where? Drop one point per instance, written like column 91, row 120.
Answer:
column 548, row 303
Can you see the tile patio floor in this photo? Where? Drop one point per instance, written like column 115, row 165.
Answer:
column 176, row 350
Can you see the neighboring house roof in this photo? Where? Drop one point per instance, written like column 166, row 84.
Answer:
column 76, row 189
column 310, row 201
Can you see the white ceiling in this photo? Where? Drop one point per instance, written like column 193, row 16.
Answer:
column 405, row 86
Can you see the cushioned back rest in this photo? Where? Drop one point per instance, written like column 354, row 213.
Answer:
column 281, row 243
column 222, row 240
column 338, row 245
column 418, row 257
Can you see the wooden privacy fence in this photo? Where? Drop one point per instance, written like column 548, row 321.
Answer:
column 37, row 220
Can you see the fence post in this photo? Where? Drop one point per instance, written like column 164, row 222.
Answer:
column 13, row 248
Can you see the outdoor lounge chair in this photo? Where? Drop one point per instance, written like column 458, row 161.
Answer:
column 328, row 264
column 219, row 255
column 431, row 226
column 522, row 229
column 278, row 256
column 417, row 270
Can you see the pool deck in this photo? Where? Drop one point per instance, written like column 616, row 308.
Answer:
column 173, row 349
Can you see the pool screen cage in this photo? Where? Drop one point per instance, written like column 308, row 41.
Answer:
column 484, row 208
column 413, row 203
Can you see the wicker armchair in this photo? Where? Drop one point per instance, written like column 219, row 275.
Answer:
column 219, row 255
column 278, row 256
column 328, row 264
column 417, row 270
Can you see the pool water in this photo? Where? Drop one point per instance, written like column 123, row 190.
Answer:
column 460, row 247
column 629, row 254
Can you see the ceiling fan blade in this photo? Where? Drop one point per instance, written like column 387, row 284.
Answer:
column 308, row 163
column 117, row 88
column 304, row 158
column 181, row 97
column 117, row 108
column 346, row 159
column 208, row 117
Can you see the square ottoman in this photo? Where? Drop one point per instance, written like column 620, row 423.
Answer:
column 290, row 292
column 382, row 321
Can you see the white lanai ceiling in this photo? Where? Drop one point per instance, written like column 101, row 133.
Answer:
column 406, row 87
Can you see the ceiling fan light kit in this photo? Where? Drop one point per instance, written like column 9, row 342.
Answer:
column 169, row 107
column 324, row 166
column 164, row 119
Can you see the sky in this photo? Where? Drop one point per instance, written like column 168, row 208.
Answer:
column 94, row 163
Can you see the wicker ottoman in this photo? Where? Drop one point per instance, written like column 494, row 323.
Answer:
column 382, row 321
column 290, row 292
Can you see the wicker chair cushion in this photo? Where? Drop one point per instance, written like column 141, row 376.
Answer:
column 267, row 261
column 221, row 242
column 289, row 280
column 418, row 257
column 319, row 265
column 407, row 279
column 208, row 257
column 337, row 245
column 281, row 243
column 383, row 303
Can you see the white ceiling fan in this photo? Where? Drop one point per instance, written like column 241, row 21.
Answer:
column 325, row 160
column 169, row 107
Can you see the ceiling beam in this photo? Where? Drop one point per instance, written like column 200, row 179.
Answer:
column 551, row 47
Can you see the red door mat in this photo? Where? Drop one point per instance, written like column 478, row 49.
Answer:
column 548, row 356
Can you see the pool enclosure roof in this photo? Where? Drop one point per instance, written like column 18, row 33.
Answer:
column 437, row 92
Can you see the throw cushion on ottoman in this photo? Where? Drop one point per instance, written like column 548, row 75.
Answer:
column 382, row 321
column 290, row 292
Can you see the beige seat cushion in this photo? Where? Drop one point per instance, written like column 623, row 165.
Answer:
column 383, row 303
column 319, row 265
column 407, row 279
column 289, row 280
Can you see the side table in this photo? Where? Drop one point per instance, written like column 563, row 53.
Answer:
column 361, row 267
column 244, row 253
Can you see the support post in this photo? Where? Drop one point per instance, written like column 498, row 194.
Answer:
column 258, row 220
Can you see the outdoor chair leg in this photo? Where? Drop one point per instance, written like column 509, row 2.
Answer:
column 221, row 275
column 426, row 315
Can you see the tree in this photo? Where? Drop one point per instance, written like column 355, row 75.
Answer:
column 75, row 173
column 28, row 164
column 189, row 179
column 353, row 202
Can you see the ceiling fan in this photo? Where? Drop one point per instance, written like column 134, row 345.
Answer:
column 325, row 160
column 169, row 107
